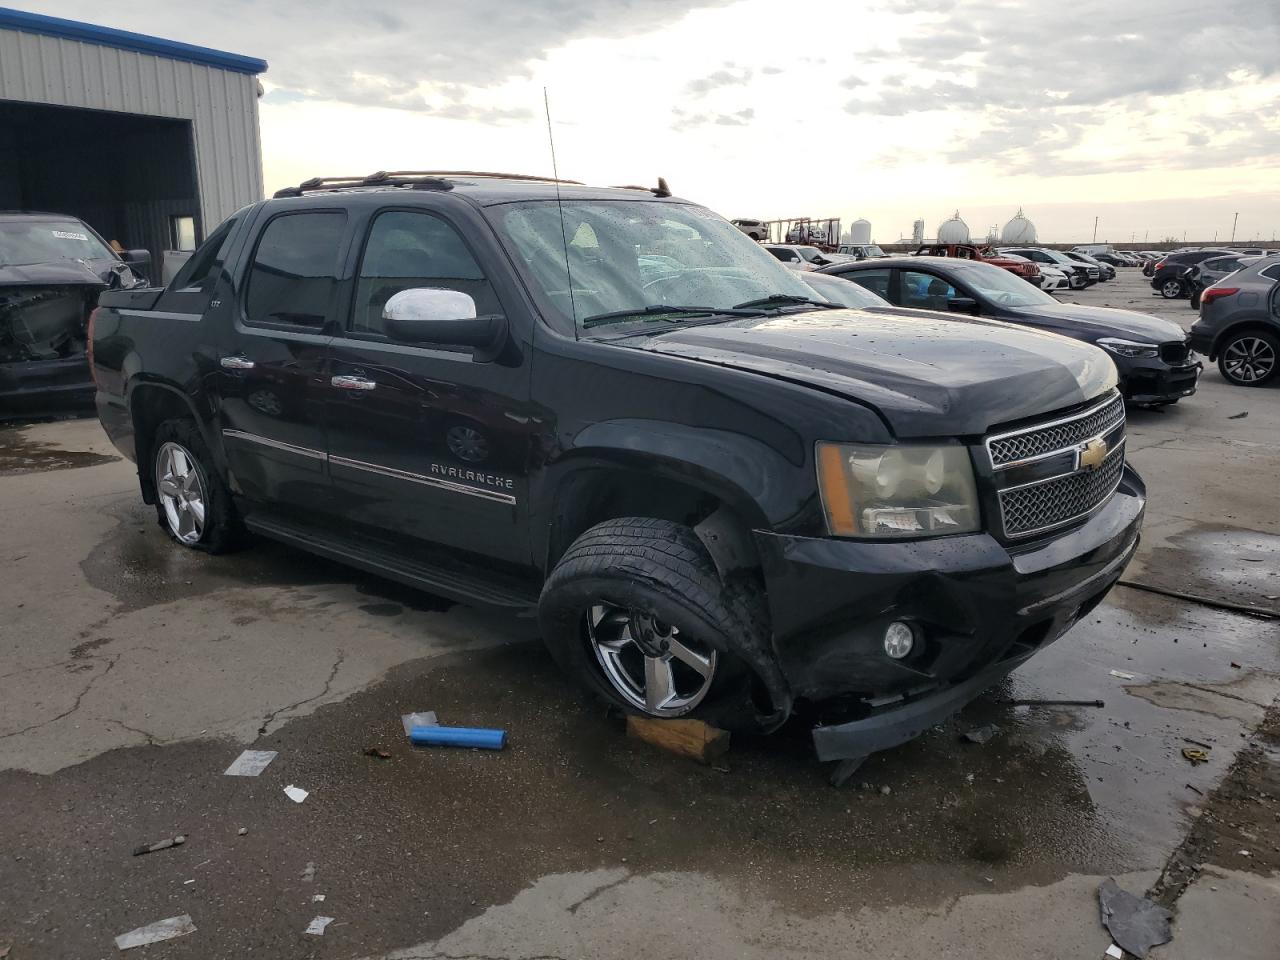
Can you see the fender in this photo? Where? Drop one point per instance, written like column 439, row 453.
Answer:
column 758, row 484
column 1259, row 321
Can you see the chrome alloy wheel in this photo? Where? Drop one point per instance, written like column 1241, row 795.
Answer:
column 1249, row 359
column 181, row 493
column 648, row 662
column 1171, row 289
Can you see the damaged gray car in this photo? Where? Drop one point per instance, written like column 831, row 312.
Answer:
column 52, row 268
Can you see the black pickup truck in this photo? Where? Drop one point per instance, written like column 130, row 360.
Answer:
column 722, row 496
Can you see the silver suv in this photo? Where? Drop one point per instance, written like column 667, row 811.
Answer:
column 1239, row 323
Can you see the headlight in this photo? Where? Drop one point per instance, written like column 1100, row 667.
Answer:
column 1129, row 348
column 897, row 491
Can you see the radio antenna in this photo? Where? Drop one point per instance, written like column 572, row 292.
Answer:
column 564, row 234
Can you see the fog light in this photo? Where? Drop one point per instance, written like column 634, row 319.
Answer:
column 899, row 638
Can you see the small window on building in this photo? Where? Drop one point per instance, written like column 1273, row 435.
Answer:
column 183, row 230
column 295, row 269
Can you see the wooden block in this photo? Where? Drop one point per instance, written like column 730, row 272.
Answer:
column 688, row 738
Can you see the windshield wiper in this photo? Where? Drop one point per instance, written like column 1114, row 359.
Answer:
column 666, row 309
column 782, row 299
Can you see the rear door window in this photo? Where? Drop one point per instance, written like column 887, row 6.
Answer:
column 294, row 272
column 192, row 286
column 1271, row 273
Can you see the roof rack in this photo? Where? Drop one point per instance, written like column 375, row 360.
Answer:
column 661, row 190
column 415, row 179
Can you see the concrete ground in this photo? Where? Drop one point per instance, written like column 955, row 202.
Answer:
column 133, row 672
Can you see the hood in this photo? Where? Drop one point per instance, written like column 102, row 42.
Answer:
column 59, row 272
column 927, row 374
column 1090, row 323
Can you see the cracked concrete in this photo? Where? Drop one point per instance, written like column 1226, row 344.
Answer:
column 132, row 672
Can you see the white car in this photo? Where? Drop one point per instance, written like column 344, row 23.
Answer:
column 802, row 257
column 1053, row 279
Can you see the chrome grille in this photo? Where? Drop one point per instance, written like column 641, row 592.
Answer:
column 1052, row 503
column 1036, row 441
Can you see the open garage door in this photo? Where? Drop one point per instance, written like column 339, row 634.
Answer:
column 130, row 177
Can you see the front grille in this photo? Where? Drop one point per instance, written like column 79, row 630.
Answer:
column 1175, row 351
column 1036, row 441
column 1052, row 503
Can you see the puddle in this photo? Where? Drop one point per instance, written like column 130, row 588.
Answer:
column 20, row 454
column 138, row 565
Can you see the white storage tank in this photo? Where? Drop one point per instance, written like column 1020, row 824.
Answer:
column 917, row 232
column 860, row 231
column 1019, row 230
column 954, row 230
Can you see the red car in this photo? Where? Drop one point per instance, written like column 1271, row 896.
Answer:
column 1025, row 269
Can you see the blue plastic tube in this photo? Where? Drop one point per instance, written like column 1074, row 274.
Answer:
column 458, row 737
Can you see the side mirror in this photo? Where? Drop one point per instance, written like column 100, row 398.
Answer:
column 137, row 260
column 963, row 305
column 446, row 317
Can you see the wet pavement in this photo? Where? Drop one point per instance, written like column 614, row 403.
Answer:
column 133, row 672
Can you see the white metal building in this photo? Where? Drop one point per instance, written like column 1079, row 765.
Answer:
column 150, row 141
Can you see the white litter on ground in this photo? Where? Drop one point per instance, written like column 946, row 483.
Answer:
column 1123, row 676
column 425, row 719
column 1115, row 952
column 250, row 763
column 316, row 926
column 155, row 932
column 317, row 898
column 296, row 794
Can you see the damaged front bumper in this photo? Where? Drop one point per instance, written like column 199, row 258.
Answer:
column 978, row 608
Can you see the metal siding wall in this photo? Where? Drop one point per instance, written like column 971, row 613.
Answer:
column 222, row 104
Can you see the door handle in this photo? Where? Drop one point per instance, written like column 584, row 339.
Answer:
column 236, row 363
column 352, row 383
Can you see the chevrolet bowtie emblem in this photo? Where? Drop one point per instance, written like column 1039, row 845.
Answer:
column 1093, row 453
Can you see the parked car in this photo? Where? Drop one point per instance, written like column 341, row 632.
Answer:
column 1053, row 279
column 720, row 495
column 1169, row 276
column 801, row 257
column 1239, row 323
column 1081, row 275
column 860, row 251
column 1092, row 248
column 1106, row 268
column 1152, row 355
column 52, row 268
column 755, row 229
column 1208, row 272
column 967, row 251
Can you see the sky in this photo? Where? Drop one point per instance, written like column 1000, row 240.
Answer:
column 1157, row 117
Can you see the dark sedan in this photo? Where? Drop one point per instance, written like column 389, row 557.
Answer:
column 52, row 268
column 1152, row 356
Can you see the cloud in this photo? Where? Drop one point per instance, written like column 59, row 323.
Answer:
column 771, row 71
column 684, row 120
column 319, row 48
column 1034, row 92
column 701, row 86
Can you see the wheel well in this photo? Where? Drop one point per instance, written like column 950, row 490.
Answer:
column 150, row 407
column 1244, row 326
column 588, row 497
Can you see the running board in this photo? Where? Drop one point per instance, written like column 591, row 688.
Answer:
column 451, row 583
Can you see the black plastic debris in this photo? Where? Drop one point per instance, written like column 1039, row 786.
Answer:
column 1135, row 923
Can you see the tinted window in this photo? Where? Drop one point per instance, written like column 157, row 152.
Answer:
column 407, row 249
column 295, row 269
column 1271, row 273
column 924, row 291
column 877, row 281
column 786, row 256
column 202, row 266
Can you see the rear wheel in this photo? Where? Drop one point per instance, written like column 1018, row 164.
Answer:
column 636, row 611
column 192, row 504
column 1249, row 358
column 1171, row 289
